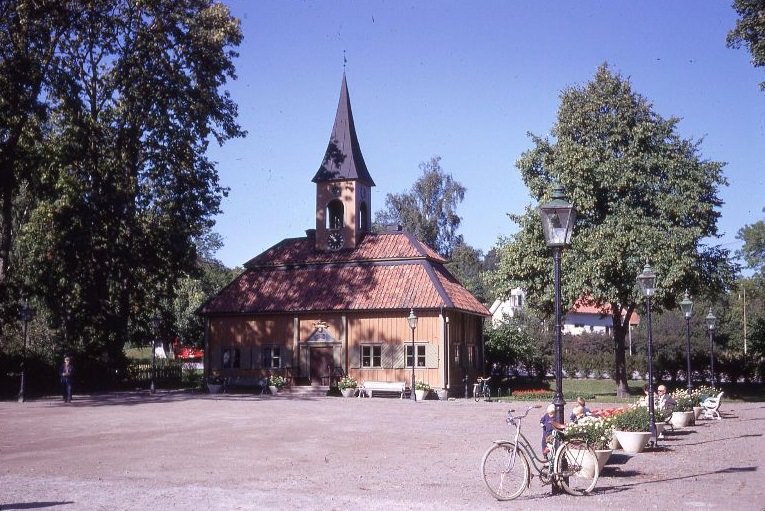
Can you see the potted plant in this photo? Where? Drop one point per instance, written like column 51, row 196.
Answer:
column 215, row 384
column 597, row 433
column 421, row 389
column 682, row 414
column 632, row 428
column 347, row 385
column 275, row 383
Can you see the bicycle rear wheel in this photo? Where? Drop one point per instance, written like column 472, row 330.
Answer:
column 505, row 471
column 487, row 393
column 477, row 392
column 576, row 468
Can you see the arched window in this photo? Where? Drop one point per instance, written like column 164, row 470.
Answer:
column 335, row 214
column 363, row 218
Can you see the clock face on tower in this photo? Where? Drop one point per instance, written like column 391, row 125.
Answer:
column 335, row 240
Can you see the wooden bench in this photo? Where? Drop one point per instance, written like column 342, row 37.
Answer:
column 369, row 388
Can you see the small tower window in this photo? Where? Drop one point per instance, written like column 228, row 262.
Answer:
column 363, row 218
column 335, row 215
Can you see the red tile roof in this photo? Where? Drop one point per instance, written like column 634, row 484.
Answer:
column 386, row 271
column 585, row 305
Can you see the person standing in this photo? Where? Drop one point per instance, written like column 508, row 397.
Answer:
column 67, row 373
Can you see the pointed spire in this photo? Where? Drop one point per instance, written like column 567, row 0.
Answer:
column 343, row 159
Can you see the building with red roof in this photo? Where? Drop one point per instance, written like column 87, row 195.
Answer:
column 336, row 300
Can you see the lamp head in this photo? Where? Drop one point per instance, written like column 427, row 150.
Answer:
column 558, row 218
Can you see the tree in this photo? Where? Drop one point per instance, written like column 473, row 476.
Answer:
column 750, row 30
column 753, row 251
column 135, row 98
column 466, row 265
column 429, row 209
column 30, row 33
column 641, row 193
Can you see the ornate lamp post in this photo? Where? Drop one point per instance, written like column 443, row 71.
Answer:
column 155, row 322
column 686, row 305
column 711, row 321
column 25, row 314
column 412, row 319
column 647, row 282
column 558, row 218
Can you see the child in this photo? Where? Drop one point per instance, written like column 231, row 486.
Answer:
column 547, row 427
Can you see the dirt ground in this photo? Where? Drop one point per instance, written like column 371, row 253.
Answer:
column 184, row 451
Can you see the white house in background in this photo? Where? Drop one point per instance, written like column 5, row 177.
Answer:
column 580, row 319
column 507, row 308
column 583, row 318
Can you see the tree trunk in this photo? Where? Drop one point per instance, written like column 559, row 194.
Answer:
column 620, row 362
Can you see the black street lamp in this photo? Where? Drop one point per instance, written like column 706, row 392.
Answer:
column 155, row 322
column 647, row 282
column 686, row 305
column 558, row 218
column 711, row 321
column 412, row 319
column 25, row 314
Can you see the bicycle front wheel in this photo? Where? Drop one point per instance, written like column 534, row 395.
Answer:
column 477, row 393
column 576, row 468
column 505, row 471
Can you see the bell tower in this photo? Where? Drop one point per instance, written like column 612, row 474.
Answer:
column 343, row 185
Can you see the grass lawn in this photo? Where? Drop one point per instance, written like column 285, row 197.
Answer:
column 604, row 391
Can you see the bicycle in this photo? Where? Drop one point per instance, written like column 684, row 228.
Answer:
column 506, row 466
column 481, row 389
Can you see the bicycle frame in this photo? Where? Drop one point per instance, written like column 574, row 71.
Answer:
column 537, row 462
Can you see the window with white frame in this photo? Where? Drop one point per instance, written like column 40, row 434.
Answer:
column 371, row 355
column 272, row 356
column 419, row 352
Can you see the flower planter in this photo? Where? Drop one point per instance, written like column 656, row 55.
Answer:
column 682, row 419
column 420, row 394
column 274, row 389
column 349, row 392
column 660, row 427
column 442, row 394
column 615, row 443
column 214, row 388
column 698, row 410
column 602, row 455
column 633, row 442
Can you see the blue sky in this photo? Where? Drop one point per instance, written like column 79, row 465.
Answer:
column 467, row 81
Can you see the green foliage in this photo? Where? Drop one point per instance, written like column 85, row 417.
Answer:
column 640, row 192
column 123, row 187
column 753, row 250
column 596, row 432
column 277, row 381
column 347, row 382
column 749, row 30
column 632, row 419
column 519, row 342
column 421, row 385
column 466, row 265
column 429, row 209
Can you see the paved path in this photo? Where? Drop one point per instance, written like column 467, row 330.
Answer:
column 184, row 451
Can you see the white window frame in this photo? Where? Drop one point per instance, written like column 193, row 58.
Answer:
column 420, row 351
column 374, row 354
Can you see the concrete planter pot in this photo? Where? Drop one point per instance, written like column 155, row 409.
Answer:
column 349, row 392
column 683, row 419
column 632, row 442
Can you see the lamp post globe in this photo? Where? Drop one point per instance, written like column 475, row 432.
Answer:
column 686, row 305
column 558, row 219
column 647, row 282
column 711, row 324
column 412, row 319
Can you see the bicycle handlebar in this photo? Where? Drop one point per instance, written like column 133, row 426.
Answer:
column 511, row 417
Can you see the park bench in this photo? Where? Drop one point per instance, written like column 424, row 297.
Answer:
column 711, row 406
column 253, row 384
column 369, row 388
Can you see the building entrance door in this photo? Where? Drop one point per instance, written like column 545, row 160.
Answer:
column 321, row 361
